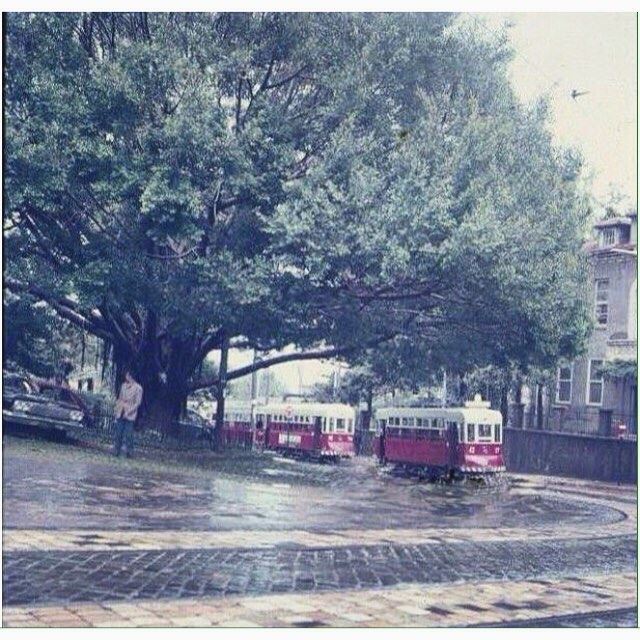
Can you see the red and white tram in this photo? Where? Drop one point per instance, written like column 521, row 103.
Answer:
column 238, row 426
column 442, row 441
column 310, row 429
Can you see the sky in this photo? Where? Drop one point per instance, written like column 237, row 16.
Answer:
column 595, row 52
column 555, row 53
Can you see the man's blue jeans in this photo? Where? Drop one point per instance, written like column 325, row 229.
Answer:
column 123, row 432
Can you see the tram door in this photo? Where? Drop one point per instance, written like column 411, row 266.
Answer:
column 317, row 433
column 452, row 443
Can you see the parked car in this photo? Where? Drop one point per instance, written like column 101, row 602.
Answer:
column 193, row 425
column 29, row 403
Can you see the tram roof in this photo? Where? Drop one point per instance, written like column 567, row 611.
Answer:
column 308, row 409
column 450, row 413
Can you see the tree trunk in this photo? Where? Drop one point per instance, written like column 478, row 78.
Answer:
column 164, row 387
column 539, row 408
column 366, row 421
column 161, row 409
column 464, row 390
column 220, row 389
column 504, row 405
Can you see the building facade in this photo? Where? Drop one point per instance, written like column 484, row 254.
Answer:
column 597, row 393
column 89, row 373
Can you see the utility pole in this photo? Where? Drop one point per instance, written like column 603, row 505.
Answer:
column 254, row 387
column 267, row 385
column 220, row 389
column 444, row 389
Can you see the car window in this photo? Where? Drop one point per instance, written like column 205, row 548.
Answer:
column 52, row 394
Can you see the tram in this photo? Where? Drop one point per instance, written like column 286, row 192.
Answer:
column 237, row 427
column 447, row 441
column 313, row 430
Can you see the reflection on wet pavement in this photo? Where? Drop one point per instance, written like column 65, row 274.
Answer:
column 260, row 492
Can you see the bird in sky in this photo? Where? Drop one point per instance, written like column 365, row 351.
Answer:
column 575, row 93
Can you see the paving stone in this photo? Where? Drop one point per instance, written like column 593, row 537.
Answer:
column 62, row 576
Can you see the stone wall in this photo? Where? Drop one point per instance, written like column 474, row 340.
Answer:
column 564, row 454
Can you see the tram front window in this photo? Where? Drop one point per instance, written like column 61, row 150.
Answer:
column 484, row 432
column 471, row 433
column 498, row 433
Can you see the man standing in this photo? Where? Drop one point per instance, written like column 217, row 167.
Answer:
column 127, row 406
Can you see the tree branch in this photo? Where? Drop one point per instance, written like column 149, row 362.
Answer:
column 64, row 307
column 329, row 352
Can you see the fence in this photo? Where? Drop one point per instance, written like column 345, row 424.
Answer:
column 591, row 456
column 182, row 437
column 582, row 420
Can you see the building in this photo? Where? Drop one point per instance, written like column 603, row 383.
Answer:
column 598, row 391
column 89, row 373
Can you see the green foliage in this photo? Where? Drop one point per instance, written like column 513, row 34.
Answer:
column 35, row 340
column 289, row 178
column 620, row 370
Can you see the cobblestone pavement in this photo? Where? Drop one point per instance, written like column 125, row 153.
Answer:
column 625, row 617
column 598, row 598
column 92, row 541
column 43, row 576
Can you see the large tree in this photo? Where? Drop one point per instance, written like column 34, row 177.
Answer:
column 181, row 183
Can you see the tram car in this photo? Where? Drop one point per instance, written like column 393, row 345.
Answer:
column 447, row 441
column 312, row 430
column 237, row 428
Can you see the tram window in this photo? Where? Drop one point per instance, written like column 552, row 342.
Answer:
column 484, row 431
column 497, row 432
column 339, row 424
column 331, row 425
column 405, row 421
column 471, row 433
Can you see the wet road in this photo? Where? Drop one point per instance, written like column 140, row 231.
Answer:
column 83, row 529
column 262, row 493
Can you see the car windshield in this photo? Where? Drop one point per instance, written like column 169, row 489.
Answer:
column 59, row 395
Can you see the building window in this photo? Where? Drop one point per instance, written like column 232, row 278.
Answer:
column 596, row 382
column 565, row 375
column 602, row 302
column 607, row 237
